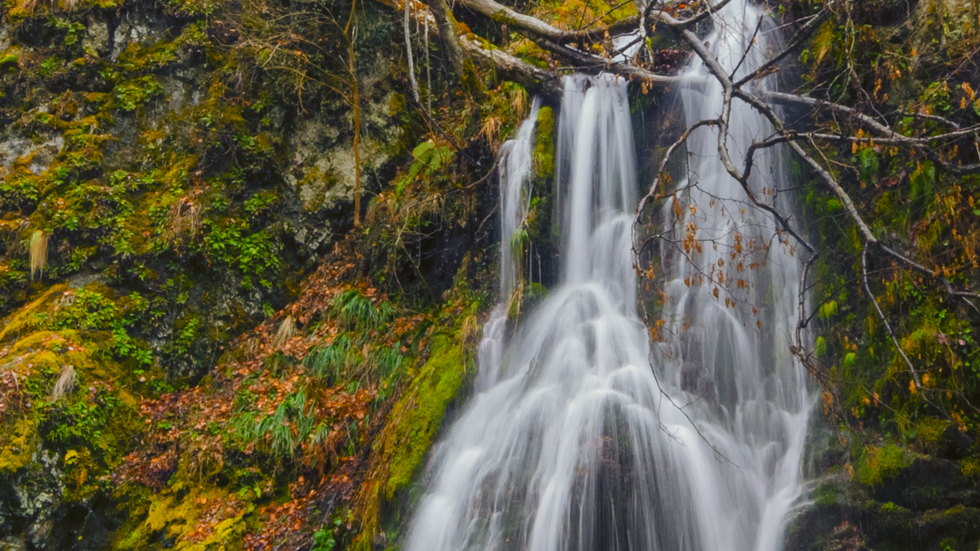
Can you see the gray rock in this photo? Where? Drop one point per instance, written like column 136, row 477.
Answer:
column 11, row 543
column 96, row 39
column 135, row 29
column 4, row 44
column 17, row 147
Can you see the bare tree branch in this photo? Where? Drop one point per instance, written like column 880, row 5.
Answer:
column 797, row 40
column 733, row 90
column 652, row 193
column 528, row 24
column 447, row 31
column 888, row 328
column 799, row 349
column 884, row 320
column 507, row 67
column 408, row 52
column 592, row 63
column 748, row 47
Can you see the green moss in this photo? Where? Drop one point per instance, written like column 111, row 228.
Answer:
column 929, row 431
column 227, row 535
column 192, row 8
column 827, row 494
column 168, row 513
column 9, row 62
column 878, row 464
column 19, row 446
column 544, row 143
column 22, row 321
column 134, row 93
column 970, row 467
column 418, row 416
column 471, row 82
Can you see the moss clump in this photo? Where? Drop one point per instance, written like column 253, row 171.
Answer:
column 930, row 431
column 420, row 414
column 878, row 464
column 72, row 397
column 416, row 418
column 9, row 62
column 970, row 467
column 18, row 451
column 544, row 143
column 827, row 494
column 168, row 514
column 22, row 322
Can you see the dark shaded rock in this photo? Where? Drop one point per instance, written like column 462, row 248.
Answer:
column 955, row 444
column 929, row 505
column 690, row 376
column 929, row 484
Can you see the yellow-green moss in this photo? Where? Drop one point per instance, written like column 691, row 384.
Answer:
column 9, row 62
column 418, row 416
column 878, row 464
column 970, row 467
column 19, row 446
column 171, row 513
column 930, row 432
column 21, row 321
column 544, row 143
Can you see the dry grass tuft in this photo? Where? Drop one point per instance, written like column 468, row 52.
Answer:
column 471, row 331
column 39, row 254
column 491, row 131
column 287, row 329
column 65, row 383
column 185, row 219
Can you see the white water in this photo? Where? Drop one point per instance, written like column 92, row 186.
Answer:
column 569, row 443
column 514, row 168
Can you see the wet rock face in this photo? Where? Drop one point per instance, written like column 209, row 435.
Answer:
column 29, row 505
column 134, row 28
column 928, row 505
column 954, row 444
column 11, row 543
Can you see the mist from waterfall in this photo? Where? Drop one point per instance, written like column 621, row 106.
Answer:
column 584, row 434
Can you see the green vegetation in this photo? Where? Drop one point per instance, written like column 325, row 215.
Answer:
column 200, row 345
column 878, row 464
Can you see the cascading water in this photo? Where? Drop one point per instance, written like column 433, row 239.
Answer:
column 571, row 442
column 514, row 168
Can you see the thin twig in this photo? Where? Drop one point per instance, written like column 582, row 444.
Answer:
column 888, row 327
column 408, row 50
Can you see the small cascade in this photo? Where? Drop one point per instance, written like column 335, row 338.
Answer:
column 514, row 169
column 586, row 435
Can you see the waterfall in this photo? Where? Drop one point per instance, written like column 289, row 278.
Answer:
column 514, row 168
column 584, row 434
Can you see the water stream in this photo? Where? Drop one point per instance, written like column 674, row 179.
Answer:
column 584, row 433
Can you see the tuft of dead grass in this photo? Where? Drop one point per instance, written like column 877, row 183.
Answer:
column 38, row 254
